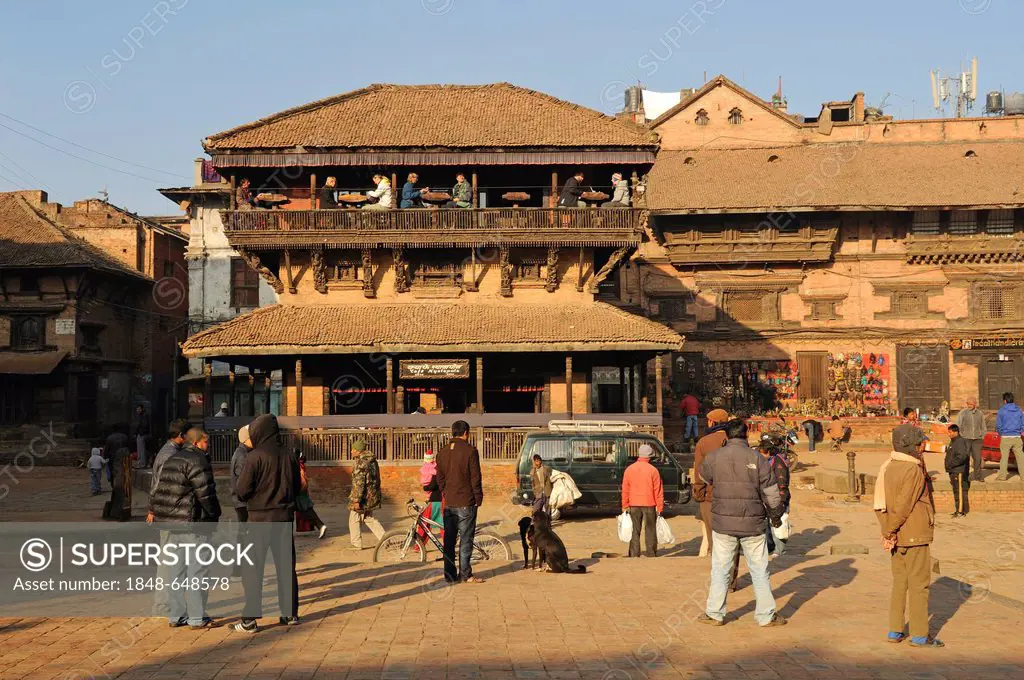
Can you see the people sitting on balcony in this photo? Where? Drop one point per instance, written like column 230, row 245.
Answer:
column 385, row 199
column 570, row 196
column 462, row 193
column 328, row 195
column 243, row 196
column 411, row 196
column 620, row 197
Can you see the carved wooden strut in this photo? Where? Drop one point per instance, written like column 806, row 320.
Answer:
column 506, row 272
column 368, row 290
column 401, row 270
column 253, row 261
column 319, row 271
column 613, row 261
column 551, row 283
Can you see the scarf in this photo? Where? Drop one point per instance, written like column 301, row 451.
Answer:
column 880, row 504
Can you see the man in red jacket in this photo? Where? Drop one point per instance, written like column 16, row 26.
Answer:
column 644, row 498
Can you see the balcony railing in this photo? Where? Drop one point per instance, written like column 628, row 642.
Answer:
column 432, row 220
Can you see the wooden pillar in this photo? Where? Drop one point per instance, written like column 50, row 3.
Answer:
column 568, row 384
column 554, row 189
column 390, row 386
column 476, row 197
column 288, row 271
column 231, row 201
column 207, row 388
column 480, row 384
column 327, row 399
column 643, row 387
column 252, row 392
column 395, row 193
column 266, row 390
column 632, row 389
column 579, row 276
column 545, row 398
column 622, row 387
column 400, row 399
column 298, row 387
column 231, row 389
column 314, row 202
column 658, row 397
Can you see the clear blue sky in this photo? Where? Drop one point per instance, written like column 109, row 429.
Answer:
column 117, row 77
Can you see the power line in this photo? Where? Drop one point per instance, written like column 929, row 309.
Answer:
column 85, row 148
column 16, row 185
column 86, row 160
column 13, row 162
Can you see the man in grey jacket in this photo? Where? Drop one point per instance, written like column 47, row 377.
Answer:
column 971, row 421
column 746, row 494
column 237, row 463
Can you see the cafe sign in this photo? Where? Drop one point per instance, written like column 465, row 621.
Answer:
column 988, row 343
column 433, row 369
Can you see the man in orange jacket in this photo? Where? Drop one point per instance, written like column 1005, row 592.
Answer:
column 644, row 498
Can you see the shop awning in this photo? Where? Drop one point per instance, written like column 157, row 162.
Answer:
column 29, row 363
column 432, row 327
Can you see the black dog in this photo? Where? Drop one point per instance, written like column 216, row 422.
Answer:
column 552, row 550
column 526, row 536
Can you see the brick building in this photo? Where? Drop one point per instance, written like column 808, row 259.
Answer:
column 75, row 324
column 847, row 263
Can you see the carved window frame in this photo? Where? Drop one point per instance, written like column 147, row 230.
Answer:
column 702, row 118
column 736, row 116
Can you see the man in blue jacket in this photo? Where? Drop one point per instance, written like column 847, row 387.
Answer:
column 1010, row 426
column 411, row 196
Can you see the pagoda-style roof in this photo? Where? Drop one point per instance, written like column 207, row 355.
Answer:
column 499, row 121
column 431, row 327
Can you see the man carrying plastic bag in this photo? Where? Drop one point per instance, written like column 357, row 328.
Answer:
column 644, row 498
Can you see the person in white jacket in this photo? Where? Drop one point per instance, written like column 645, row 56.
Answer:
column 564, row 493
column 383, row 194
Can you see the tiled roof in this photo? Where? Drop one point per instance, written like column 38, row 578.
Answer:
column 30, row 363
column 438, row 327
column 455, row 116
column 29, row 239
column 826, row 176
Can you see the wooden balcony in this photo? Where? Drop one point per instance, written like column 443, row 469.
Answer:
column 596, row 227
column 733, row 247
column 969, row 249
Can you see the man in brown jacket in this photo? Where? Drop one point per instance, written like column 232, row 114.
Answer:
column 462, row 490
column 906, row 513
column 713, row 440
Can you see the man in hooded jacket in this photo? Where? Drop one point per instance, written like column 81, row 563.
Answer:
column 268, row 484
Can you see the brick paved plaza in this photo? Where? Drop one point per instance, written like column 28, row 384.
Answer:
column 627, row 619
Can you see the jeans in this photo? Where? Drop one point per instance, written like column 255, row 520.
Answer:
column 140, row 445
column 1006, row 445
column 691, row 428
column 188, row 600
column 646, row 516
column 277, row 538
column 975, row 446
column 459, row 523
column 94, row 480
column 723, row 554
column 809, row 431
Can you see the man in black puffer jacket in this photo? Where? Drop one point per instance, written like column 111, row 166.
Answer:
column 185, row 497
column 746, row 493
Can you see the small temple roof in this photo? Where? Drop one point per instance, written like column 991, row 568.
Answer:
column 433, row 327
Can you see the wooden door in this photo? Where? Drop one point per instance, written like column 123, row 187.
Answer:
column 813, row 368
column 922, row 375
column 998, row 377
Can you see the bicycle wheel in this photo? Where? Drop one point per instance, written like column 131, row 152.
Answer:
column 398, row 545
column 488, row 545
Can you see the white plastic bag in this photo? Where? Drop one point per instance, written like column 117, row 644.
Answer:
column 625, row 523
column 782, row 532
column 665, row 536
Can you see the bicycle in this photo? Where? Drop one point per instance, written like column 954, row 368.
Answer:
column 401, row 545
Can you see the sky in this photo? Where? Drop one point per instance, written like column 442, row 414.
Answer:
column 118, row 95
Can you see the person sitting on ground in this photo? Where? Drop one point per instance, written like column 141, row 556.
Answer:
column 328, row 197
column 385, row 199
column 571, row 192
column 462, row 193
column 837, row 432
column 411, row 196
column 620, row 195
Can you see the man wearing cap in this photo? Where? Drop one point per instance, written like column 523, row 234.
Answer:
column 223, row 411
column 712, row 440
column 906, row 512
column 644, row 498
column 365, row 496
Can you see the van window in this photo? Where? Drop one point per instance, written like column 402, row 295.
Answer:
column 659, row 458
column 593, row 451
column 550, row 450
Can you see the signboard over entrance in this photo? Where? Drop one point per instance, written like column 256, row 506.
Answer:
column 436, row 369
column 988, row 343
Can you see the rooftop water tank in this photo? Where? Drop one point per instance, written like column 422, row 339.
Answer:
column 994, row 102
column 1013, row 104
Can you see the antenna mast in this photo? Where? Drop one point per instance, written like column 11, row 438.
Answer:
column 962, row 89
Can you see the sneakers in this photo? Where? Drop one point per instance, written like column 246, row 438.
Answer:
column 777, row 620
column 288, row 620
column 895, row 638
column 926, row 642
column 323, row 530
column 243, row 627
column 707, row 620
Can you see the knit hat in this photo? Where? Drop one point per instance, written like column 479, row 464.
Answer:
column 645, row 451
column 243, row 434
column 428, row 457
column 906, row 438
column 718, row 415
column 359, row 445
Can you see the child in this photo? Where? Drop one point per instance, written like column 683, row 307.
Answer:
column 428, row 481
column 958, row 458
column 96, row 463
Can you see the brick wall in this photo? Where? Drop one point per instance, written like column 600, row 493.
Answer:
column 331, row 484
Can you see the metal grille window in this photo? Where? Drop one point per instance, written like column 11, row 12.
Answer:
column 245, row 285
column 750, row 306
column 1000, row 223
column 996, row 303
column 909, row 303
column 963, row 222
column 672, row 309
column 925, row 223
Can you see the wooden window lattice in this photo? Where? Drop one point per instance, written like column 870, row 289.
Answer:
column 926, row 223
column 1000, row 223
column 245, row 285
column 996, row 303
column 909, row 303
column 823, row 310
column 749, row 306
column 963, row 222
column 735, row 117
